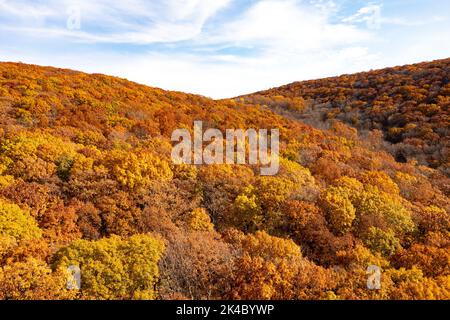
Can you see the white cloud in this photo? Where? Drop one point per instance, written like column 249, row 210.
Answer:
column 113, row 21
column 370, row 15
column 288, row 25
column 22, row 9
column 374, row 17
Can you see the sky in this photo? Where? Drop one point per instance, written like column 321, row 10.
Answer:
column 223, row 48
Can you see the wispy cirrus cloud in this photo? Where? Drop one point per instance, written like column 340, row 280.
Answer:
column 129, row 21
column 287, row 24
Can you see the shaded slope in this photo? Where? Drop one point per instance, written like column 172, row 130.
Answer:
column 409, row 104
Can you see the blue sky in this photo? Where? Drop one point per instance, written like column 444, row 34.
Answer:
column 223, row 48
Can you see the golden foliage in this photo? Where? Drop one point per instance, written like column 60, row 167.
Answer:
column 114, row 268
column 17, row 223
column 86, row 179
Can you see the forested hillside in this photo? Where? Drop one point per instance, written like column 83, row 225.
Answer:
column 409, row 104
column 86, row 179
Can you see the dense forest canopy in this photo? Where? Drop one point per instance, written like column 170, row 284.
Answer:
column 410, row 105
column 86, row 179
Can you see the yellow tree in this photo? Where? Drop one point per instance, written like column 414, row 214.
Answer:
column 17, row 223
column 198, row 220
column 115, row 268
column 339, row 209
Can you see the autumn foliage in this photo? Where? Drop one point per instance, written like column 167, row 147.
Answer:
column 86, row 179
column 409, row 104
